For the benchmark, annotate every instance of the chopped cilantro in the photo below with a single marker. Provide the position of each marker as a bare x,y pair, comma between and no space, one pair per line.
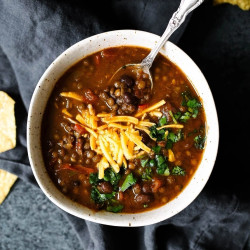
195,113
160,159
144,162
172,138
199,141
163,121
158,134
161,168
178,171
172,116
152,163
114,209
193,106
93,178
156,149
185,117
166,172
112,177
169,144
177,115
98,197
193,103
145,205
147,174
161,164
128,182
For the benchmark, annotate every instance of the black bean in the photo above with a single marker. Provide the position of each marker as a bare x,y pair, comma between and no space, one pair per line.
76,183
90,154
129,81
146,188
129,98
105,187
145,137
119,100
142,198
137,189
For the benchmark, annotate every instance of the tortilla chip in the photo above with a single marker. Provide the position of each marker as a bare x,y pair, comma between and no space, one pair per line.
6,181
243,4
8,123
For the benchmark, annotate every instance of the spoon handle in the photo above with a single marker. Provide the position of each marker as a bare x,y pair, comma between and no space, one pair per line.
186,6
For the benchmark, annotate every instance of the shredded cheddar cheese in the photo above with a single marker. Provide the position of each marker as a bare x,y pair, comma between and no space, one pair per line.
116,138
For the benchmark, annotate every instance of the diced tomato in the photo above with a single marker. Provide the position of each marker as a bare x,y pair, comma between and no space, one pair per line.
97,59
77,168
142,107
79,129
89,96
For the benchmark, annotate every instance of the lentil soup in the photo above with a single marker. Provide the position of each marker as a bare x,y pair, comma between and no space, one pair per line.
122,146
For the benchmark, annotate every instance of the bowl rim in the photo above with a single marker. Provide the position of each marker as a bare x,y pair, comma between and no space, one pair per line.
130,220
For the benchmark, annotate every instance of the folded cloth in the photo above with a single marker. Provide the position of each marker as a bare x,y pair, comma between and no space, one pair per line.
34,33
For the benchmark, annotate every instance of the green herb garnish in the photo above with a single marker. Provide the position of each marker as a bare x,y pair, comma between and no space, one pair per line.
128,182
112,177
177,115
93,178
161,164
144,162
156,149
163,121
192,105
172,116
173,138
147,174
199,141
178,171
158,134
100,198
185,117
152,163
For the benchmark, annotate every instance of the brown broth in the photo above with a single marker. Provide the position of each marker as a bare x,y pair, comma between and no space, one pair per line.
59,142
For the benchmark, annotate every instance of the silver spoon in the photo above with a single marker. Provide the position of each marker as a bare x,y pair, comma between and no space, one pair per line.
186,6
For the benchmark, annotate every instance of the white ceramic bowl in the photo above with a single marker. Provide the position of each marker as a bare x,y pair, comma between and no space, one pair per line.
44,89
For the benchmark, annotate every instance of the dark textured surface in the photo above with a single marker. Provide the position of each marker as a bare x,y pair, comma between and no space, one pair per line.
29,221
33,33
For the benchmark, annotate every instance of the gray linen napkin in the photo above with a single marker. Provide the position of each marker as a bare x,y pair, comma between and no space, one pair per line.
34,33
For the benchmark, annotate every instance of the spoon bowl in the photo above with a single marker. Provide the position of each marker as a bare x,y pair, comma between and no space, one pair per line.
133,67
186,6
